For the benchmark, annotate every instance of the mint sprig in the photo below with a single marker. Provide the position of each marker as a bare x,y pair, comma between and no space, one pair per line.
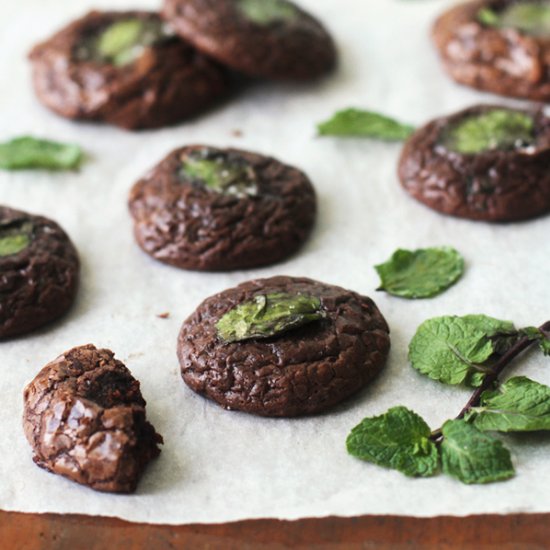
461,447
367,124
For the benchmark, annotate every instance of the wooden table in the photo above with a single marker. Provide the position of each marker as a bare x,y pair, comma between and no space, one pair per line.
40,532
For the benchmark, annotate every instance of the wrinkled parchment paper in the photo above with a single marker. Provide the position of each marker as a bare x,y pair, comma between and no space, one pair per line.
218,466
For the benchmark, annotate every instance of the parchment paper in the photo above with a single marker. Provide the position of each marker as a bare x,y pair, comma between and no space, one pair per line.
216,465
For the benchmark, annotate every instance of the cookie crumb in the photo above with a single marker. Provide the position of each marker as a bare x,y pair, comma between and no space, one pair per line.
237,133
164,315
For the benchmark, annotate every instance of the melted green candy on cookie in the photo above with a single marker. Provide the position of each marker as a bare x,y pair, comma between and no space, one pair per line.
265,12
497,129
219,173
532,18
14,238
123,42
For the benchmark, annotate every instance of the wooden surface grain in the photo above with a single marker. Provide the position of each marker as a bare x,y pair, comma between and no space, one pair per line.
49,531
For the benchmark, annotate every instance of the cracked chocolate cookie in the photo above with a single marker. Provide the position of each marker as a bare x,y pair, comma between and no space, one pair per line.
263,38
84,417
124,68
500,46
282,346
212,209
39,270
485,163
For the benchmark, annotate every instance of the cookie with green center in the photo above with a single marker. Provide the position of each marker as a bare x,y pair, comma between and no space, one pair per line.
501,46
261,38
212,209
283,346
39,270
485,163
124,68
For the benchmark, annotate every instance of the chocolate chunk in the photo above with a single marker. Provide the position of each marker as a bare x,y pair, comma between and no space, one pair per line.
84,417
39,270
124,68
507,181
299,371
481,50
215,209
263,38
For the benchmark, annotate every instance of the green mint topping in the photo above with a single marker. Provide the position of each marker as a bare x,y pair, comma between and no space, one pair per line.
539,336
358,123
219,173
473,456
265,12
399,439
497,129
422,273
123,42
459,350
14,237
532,18
29,152
519,405
268,315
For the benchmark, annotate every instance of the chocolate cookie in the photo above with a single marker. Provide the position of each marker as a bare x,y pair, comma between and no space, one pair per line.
125,68
84,417
263,38
484,163
282,346
501,46
221,209
39,271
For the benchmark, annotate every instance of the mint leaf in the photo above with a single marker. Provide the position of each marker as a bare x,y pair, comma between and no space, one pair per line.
519,405
265,12
544,346
473,456
529,17
358,123
29,152
422,273
458,350
398,439
267,315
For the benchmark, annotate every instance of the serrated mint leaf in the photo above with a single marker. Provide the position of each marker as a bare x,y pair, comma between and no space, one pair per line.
496,129
398,439
457,350
268,315
422,273
29,152
519,405
358,123
473,456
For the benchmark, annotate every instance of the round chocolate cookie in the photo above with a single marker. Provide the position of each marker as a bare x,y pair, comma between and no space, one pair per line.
39,271
262,38
84,417
485,163
282,346
221,209
125,68
500,46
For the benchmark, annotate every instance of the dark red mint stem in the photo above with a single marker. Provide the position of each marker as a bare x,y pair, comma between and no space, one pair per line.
520,346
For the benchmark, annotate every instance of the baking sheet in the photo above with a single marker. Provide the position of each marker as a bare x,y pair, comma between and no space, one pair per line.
219,466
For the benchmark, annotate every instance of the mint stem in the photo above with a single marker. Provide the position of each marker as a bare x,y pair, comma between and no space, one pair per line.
520,346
